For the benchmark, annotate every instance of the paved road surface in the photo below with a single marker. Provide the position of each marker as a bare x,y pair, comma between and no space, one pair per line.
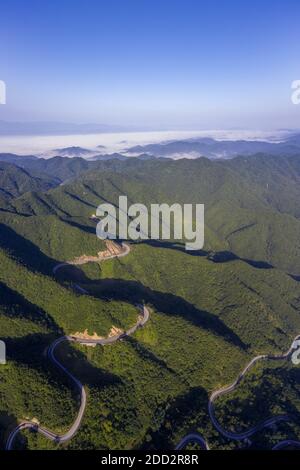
143,318
230,388
286,443
189,438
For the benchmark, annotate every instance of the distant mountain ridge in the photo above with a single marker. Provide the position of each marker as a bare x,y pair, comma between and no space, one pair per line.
72,152
15,181
211,148
236,298
261,190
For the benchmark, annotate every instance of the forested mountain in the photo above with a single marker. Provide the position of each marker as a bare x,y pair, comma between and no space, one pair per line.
15,181
212,148
211,311
246,199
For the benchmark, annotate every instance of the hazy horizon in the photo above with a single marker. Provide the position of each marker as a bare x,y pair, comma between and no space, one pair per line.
120,141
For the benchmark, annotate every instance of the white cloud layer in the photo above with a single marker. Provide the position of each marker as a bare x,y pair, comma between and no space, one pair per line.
119,142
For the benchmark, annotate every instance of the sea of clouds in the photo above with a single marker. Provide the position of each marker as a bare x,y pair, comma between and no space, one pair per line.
118,142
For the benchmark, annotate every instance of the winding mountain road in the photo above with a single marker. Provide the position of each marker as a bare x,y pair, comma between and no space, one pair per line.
195,437
286,443
143,318
191,439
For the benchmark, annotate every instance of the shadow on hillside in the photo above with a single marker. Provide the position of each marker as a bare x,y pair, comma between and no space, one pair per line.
13,211
148,355
133,291
84,228
28,254
8,422
170,246
224,256
227,256
263,399
31,350
25,252
71,273
88,374
184,409
136,292
79,199
14,305
170,304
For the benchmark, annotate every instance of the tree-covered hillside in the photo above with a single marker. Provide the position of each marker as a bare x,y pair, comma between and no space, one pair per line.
211,311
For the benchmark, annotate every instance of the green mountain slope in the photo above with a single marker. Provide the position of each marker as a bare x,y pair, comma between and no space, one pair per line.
211,311
240,207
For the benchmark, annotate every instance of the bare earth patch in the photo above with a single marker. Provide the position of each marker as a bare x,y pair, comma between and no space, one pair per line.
113,249
114,331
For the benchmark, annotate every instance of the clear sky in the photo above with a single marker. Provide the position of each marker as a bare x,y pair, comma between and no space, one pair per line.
156,63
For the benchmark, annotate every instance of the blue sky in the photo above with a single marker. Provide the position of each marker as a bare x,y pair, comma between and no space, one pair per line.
154,63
